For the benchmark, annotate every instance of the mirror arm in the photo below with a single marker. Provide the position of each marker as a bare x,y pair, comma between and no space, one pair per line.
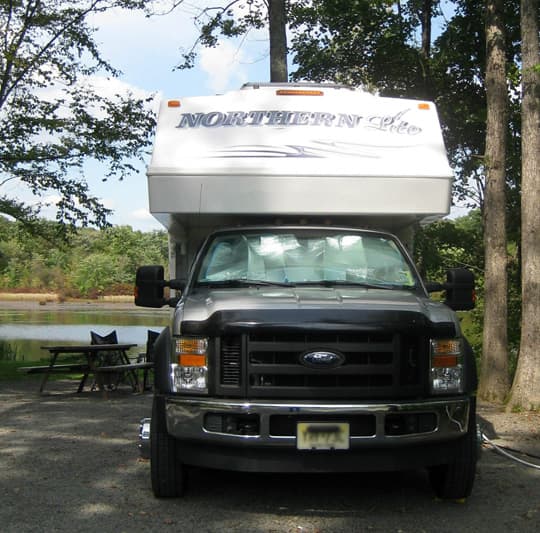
176,284
433,286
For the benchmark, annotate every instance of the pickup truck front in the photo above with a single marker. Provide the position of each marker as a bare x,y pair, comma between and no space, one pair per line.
312,349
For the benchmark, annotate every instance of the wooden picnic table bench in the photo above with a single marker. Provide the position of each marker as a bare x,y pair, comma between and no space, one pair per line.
89,352
130,367
44,369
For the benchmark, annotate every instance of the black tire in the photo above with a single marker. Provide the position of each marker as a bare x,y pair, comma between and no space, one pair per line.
455,480
167,471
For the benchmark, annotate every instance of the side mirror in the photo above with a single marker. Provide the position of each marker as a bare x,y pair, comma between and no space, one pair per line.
459,286
149,284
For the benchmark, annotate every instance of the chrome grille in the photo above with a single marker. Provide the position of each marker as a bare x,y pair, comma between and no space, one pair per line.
268,365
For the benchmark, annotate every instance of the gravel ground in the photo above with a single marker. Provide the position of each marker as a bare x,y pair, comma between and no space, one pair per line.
69,462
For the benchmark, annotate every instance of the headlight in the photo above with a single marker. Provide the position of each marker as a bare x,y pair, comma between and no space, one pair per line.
446,366
190,371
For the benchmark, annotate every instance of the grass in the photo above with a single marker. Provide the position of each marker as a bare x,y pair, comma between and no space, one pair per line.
50,297
9,372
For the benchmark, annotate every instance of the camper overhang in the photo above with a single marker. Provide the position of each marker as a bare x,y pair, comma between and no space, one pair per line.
258,152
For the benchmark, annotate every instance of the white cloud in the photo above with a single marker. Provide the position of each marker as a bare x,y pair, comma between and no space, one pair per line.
128,38
106,87
148,49
49,201
142,214
142,220
224,65
109,87
109,203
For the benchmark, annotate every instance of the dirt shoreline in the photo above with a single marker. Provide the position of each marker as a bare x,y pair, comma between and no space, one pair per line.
75,305
48,304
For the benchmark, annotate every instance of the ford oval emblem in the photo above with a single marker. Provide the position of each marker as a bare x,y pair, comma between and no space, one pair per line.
322,359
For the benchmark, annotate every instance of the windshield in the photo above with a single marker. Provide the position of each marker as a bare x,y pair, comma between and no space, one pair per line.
312,256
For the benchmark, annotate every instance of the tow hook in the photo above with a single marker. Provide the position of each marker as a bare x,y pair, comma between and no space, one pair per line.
144,438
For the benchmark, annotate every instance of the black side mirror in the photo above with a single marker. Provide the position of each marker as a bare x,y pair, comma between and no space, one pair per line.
149,284
460,294
459,287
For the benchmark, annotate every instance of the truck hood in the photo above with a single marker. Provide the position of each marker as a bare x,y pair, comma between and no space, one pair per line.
214,311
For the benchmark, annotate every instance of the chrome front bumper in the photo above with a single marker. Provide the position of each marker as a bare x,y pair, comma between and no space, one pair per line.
186,420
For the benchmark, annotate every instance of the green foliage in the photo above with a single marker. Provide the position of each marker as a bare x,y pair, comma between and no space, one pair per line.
451,243
53,118
455,243
88,262
8,370
358,43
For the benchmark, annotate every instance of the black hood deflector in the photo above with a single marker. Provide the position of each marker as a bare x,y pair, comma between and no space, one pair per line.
231,322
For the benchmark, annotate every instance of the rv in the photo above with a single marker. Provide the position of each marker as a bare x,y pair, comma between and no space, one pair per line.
303,338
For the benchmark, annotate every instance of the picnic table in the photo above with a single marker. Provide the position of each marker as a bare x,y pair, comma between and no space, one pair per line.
91,354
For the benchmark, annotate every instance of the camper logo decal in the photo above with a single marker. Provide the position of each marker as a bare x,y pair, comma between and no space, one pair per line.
393,124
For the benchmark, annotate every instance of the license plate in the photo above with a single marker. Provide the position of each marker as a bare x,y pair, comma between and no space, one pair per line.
322,436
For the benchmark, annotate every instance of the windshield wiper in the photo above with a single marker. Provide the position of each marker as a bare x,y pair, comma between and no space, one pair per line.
243,282
360,284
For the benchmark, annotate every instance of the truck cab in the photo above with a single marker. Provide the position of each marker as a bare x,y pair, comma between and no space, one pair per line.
302,338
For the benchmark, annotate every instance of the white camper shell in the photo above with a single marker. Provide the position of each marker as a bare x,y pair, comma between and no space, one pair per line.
295,153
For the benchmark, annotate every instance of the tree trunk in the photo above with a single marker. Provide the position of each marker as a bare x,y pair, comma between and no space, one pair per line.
278,41
427,8
425,53
494,378
525,392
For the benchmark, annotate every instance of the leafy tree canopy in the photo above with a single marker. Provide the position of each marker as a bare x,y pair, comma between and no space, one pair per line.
359,43
89,262
53,118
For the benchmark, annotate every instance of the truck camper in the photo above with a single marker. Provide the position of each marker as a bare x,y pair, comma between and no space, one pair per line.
303,338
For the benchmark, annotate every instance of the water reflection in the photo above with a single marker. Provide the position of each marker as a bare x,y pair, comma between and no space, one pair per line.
23,332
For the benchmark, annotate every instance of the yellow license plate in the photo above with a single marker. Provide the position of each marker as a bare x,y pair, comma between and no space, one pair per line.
322,436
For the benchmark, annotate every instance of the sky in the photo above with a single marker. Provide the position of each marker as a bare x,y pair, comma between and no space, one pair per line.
146,50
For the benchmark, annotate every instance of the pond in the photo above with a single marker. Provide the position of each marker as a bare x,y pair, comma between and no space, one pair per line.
24,331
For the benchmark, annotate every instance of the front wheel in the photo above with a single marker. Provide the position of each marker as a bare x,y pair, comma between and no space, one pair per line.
455,480
167,471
